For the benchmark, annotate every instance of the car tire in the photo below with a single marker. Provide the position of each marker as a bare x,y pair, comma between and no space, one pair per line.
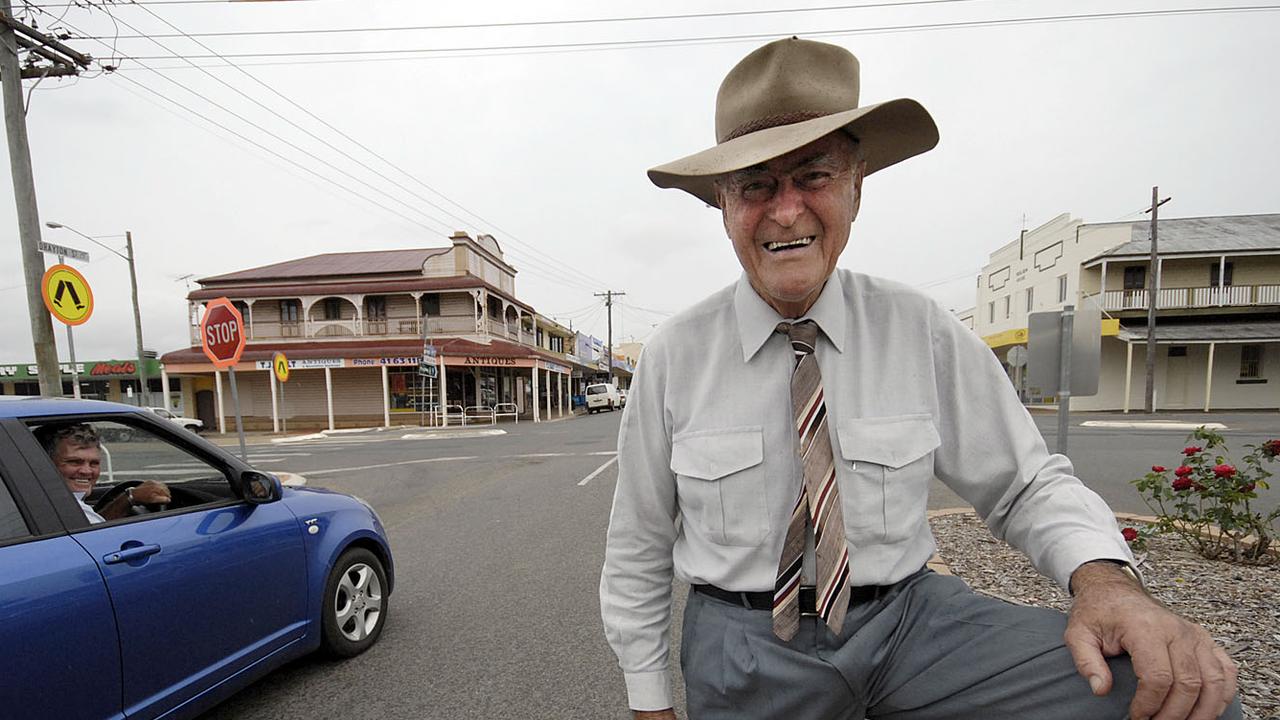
353,610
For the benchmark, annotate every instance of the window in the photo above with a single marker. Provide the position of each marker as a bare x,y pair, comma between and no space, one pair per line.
11,523
1250,362
333,308
1031,298
26,388
430,304
1177,351
1062,288
135,454
1214,269
1135,277
243,307
991,311
1008,302
375,307
290,311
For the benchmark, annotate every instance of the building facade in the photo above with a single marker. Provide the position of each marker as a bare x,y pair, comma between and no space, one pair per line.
1217,325
355,328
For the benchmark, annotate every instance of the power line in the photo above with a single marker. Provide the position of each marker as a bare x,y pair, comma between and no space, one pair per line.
697,40
550,23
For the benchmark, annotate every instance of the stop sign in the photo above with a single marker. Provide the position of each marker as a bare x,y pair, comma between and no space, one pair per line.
222,333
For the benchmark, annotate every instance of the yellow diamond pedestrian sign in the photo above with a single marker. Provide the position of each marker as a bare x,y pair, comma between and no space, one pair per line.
280,364
67,294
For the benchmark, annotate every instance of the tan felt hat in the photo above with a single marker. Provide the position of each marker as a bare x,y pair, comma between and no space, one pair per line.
786,95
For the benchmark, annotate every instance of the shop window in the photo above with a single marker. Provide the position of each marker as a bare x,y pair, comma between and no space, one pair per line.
1135,277
26,388
1250,362
430,304
1216,268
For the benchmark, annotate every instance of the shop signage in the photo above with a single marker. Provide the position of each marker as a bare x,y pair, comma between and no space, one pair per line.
122,368
404,361
307,364
553,367
490,361
97,368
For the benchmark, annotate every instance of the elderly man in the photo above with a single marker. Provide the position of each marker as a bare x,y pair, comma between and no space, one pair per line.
76,453
778,450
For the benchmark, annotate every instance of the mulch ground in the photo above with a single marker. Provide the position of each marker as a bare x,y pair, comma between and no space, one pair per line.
1238,604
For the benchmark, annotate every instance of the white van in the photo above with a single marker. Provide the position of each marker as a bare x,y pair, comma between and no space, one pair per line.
602,396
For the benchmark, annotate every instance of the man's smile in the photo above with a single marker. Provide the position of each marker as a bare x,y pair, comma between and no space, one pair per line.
783,246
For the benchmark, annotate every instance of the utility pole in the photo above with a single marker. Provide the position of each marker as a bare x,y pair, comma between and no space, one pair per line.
144,396
608,296
1153,294
63,61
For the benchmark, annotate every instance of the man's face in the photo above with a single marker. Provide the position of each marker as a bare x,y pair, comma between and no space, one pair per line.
789,219
79,465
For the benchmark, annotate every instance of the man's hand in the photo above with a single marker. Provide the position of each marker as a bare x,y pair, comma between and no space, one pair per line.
1181,672
667,714
151,493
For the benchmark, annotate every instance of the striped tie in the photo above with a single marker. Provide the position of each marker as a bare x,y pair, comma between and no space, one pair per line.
818,502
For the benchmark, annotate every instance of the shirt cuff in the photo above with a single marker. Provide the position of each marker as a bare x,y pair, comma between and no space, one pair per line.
649,690
1087,551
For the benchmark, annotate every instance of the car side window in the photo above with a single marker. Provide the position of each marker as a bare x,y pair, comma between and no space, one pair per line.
12,525
117,471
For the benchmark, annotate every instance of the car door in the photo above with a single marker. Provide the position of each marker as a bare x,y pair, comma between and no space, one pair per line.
201,592
61,656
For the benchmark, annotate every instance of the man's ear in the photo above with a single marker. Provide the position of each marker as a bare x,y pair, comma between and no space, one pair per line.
724,215
859,172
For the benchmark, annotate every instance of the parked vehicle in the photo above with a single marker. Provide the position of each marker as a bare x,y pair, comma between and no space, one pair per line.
167,611
602,396
622,397
195,425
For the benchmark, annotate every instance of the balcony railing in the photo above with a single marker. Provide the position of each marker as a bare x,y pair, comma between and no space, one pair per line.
1194,297
391,327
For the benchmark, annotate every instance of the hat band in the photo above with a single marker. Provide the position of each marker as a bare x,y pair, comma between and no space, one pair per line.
771,121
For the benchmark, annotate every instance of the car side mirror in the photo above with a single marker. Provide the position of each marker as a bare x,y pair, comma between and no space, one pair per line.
260,488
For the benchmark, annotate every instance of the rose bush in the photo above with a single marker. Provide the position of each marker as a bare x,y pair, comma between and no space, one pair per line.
1207,502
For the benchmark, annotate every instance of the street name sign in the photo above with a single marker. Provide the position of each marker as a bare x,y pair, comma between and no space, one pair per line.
64,251
222,333
67,294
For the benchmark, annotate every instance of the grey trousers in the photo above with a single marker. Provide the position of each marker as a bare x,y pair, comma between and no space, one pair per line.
927,648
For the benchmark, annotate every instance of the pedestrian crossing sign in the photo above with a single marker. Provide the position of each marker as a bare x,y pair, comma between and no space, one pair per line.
67,295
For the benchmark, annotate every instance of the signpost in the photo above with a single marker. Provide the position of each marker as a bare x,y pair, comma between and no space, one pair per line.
69,298
222,339
1064,352
427,368
280,366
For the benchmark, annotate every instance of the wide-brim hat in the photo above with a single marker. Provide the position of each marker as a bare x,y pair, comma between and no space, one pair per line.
786,95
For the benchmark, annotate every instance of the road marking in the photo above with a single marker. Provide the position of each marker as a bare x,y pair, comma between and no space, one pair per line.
540,455
394,464
1151,425
606,452
599,470
445,434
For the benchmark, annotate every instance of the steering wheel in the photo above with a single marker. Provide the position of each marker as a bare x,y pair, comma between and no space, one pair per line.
120,489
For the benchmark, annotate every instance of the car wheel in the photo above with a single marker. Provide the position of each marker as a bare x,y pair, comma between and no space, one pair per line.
354,606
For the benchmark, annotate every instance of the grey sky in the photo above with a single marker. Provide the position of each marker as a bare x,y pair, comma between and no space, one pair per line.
1036,120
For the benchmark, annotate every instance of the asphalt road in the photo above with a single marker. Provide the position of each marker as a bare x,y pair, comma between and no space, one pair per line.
498,542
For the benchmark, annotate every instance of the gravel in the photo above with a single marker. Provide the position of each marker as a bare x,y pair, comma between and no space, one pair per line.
1239,605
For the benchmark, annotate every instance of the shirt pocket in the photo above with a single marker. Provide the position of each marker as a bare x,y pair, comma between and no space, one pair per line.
886,466
720,481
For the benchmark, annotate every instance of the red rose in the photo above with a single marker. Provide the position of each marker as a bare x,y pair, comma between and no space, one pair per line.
1247,488
1271,448
1182,471
1129,534
1157,468
1190,450
1183,483
1224,471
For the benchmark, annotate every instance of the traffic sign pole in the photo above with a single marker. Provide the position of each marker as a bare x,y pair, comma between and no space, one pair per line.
71,349
235,400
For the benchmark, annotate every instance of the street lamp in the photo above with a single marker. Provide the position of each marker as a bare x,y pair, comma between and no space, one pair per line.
137,314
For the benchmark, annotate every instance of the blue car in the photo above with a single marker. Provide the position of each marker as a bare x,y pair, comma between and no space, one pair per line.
146,573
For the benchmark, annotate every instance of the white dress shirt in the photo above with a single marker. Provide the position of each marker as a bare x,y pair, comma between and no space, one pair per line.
708,472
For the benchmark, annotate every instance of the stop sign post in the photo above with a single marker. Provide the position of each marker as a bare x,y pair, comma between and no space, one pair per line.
222,338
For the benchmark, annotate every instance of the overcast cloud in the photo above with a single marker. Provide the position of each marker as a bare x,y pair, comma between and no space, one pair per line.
550,149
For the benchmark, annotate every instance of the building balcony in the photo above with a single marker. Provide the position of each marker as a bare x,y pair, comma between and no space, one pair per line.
391,328
1194,297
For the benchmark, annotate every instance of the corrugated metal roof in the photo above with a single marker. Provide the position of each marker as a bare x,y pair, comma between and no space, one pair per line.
1206,332
1226,233
373,262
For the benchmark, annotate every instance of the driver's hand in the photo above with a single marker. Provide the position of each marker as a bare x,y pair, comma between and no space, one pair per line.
151,493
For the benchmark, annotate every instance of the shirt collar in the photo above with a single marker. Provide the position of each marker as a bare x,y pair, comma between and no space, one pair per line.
757,320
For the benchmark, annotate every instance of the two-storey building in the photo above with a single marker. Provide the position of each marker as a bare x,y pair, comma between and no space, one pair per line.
354,327
1217,325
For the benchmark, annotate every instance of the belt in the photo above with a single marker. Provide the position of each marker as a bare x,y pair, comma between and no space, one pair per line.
808,596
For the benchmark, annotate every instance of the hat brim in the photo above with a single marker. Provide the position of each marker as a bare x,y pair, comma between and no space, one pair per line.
888,132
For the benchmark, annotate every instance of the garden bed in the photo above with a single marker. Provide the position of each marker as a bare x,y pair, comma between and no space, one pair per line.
1238,604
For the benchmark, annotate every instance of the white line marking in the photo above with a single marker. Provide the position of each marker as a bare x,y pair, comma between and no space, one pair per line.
540,455
606,452
599,470
394,464
1151,425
